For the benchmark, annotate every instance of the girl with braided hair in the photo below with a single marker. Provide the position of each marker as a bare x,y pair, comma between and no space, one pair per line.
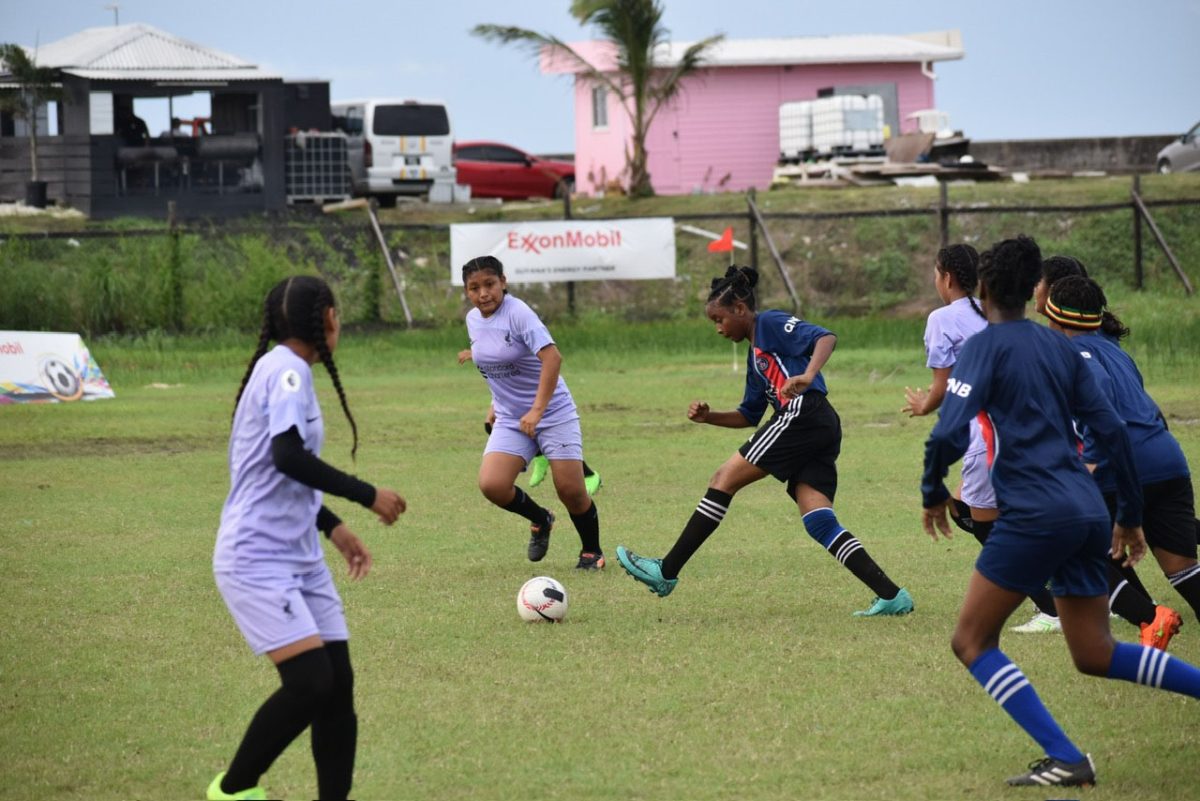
1076,306
973,509
532,412
1053,524
269,564
799,446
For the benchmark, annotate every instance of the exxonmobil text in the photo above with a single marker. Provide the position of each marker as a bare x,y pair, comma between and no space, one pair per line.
538,243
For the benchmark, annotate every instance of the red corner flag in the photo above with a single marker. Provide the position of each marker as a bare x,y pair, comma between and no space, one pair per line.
724,244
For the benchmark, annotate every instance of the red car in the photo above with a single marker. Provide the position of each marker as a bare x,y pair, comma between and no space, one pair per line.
495,170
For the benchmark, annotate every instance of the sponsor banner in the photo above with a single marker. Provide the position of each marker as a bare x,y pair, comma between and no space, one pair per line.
569,250
37,367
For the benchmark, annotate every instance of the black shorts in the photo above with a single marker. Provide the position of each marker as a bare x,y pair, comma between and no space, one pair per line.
800,445
1168,516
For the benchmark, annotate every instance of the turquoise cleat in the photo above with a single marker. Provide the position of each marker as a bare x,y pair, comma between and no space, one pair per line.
902,604
647,571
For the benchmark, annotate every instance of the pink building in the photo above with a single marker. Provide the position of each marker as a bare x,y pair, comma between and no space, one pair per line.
722,132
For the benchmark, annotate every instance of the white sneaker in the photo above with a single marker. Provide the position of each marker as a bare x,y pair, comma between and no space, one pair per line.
1039,624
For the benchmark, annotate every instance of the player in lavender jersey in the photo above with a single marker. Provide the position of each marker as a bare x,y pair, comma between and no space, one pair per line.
531,410
268,562
955,276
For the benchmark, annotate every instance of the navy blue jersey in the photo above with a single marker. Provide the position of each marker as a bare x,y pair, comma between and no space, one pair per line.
1156,453
781,349
1031,383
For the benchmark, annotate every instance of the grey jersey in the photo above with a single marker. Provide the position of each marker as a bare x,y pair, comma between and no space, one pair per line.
269,520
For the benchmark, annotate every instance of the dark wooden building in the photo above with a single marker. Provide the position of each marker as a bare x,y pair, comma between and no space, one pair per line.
105,162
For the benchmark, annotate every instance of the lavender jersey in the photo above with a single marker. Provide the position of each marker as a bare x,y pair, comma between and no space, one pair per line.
946,331
504,348
269,521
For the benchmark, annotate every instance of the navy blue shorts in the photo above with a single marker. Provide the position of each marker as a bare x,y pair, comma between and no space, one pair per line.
1073,557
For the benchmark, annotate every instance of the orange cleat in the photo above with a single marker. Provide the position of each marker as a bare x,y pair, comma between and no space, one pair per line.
1158,632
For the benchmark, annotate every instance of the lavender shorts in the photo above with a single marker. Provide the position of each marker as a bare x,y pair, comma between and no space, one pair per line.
977,489
561,442
276,609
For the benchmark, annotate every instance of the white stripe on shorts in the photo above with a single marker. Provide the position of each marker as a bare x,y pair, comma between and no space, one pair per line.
772,432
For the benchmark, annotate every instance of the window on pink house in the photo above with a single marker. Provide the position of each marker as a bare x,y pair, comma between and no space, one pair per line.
599,107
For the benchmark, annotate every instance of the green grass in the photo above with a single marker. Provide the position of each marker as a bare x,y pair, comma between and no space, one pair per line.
122,676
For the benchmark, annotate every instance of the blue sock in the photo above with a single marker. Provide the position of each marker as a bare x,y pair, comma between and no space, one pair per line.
823,526
1141,664
1008,687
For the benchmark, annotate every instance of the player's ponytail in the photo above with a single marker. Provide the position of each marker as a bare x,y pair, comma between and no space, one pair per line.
962,261
1079,303
737,284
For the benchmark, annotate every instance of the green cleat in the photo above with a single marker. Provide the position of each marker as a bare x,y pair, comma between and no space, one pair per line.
215,793
902,604
538,466
593,483
647,571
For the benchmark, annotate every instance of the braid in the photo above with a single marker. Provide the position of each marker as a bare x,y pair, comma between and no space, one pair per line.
325,301
264,340
737,284
1056,268
1010,270
963,262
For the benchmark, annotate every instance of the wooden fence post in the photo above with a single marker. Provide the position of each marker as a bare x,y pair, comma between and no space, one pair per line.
944,212
1138,274
750,222
570,284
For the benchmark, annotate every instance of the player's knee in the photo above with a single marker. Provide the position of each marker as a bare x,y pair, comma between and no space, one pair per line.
498,492
822,525
1095,658
309,677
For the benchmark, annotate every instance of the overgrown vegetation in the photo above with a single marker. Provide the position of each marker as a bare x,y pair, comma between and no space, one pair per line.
214,278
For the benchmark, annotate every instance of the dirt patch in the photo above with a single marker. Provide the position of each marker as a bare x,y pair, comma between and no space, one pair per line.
108,447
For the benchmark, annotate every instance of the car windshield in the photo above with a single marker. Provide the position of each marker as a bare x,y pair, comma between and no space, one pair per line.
411,119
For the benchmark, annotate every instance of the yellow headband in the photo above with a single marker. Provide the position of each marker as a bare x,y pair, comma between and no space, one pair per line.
1073,318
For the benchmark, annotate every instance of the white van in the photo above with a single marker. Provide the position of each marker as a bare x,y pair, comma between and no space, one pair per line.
396,147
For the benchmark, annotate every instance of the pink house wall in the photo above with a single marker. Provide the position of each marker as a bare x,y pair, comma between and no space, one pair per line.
725,124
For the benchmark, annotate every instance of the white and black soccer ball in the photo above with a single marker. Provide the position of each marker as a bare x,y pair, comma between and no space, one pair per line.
542,600
60,379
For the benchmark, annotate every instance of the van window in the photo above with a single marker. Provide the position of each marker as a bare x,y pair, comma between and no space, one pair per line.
350,122
411,120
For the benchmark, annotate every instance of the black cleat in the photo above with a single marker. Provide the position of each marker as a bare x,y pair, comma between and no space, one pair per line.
590,561
1050,771
539,539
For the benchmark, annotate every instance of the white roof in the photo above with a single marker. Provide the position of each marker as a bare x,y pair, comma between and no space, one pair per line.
913,47
938,46
143,52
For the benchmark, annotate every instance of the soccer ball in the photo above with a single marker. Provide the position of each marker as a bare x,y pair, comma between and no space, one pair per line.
542,599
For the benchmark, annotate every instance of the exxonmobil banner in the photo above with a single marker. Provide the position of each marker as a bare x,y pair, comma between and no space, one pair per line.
569,250
38,367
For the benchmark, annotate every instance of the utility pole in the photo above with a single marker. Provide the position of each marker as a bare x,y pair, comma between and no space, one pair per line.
116,10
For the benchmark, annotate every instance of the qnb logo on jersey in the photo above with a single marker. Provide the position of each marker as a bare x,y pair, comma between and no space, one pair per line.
290,381
537,243
791,324
956,387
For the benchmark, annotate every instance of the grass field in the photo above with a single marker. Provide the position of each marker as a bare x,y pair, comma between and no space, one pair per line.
122,675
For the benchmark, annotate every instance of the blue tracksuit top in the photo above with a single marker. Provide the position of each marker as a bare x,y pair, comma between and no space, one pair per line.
1156,453
1033,385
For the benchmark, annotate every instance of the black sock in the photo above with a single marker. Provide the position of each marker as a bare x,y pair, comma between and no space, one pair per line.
1124,598
960,513
307,684
981,529
526,507
1044,601
588,526
335,729
704,521
587,471
854,557
1187,583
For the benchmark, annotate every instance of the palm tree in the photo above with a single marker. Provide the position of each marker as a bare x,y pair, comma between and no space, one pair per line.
35,87
635,29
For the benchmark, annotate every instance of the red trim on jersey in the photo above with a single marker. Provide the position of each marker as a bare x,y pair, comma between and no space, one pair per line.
774,373
989,436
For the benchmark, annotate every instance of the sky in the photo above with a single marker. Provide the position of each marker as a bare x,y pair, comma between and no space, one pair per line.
1044,68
